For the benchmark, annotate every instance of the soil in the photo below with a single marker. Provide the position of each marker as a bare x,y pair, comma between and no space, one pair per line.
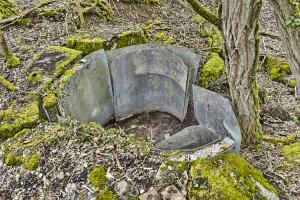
70,163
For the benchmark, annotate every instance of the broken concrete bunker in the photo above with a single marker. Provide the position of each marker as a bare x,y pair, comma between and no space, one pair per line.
122,82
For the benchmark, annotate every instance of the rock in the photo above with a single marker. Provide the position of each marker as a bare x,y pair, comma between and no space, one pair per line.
150,195
121,187
172,193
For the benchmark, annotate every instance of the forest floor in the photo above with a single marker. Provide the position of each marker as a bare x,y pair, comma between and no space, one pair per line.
280,112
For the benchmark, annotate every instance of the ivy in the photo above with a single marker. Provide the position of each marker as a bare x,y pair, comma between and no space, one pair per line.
294,20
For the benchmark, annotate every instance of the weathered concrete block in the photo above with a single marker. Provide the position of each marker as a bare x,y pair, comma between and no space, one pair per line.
146,78
215,112
88,96
190,139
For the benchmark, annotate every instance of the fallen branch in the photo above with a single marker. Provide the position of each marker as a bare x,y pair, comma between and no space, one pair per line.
205,13
270,35
14,19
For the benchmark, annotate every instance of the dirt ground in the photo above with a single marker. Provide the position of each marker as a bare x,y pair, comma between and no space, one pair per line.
278,110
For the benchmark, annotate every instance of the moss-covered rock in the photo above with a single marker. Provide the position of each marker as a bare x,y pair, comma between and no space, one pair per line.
85,44
212,70
27,117
139,35
278,68
7,9
228,177
292,152
7,84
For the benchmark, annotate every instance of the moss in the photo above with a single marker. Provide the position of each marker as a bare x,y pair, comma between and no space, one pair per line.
292,152
71,55
6,114
205,13
27,117
7,9
212,70
212,33
31,162
160,36
27,22
151,1
287,140
97,177
50,12
106,194
277,68
292,83
12,61
133,37
198,19
7,84
35,76
49,101
43,3
101,8
85,44
226,177
177,166
12,160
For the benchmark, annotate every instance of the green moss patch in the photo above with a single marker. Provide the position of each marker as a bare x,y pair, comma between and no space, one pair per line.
12,61
212,33
212,70
49,101
97,177
31,162
35,76
163,37
226,177
7,9
71,55
27,117
279,68
292,152
139,35
286,140
7,84
85,44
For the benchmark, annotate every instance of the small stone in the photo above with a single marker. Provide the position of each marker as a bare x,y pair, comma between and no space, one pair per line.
170,168
150,195
70,188
172,193
121,187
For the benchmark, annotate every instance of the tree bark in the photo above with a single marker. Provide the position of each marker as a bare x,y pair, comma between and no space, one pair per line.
290,36
240,27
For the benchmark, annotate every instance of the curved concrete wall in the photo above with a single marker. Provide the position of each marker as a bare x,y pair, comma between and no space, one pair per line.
88,96
122,82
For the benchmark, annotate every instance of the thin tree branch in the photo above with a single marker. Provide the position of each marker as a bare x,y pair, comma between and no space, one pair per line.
205,13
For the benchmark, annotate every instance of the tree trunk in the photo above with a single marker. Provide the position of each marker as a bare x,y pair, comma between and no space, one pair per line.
240,28
290,36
